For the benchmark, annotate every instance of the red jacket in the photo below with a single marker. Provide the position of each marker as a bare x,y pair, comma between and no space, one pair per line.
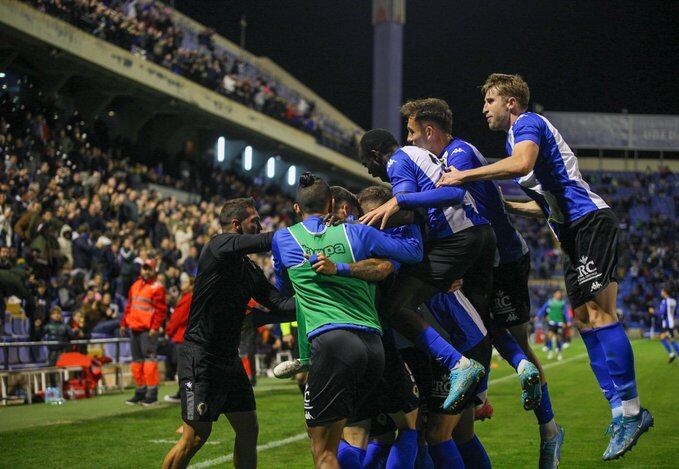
176,326
146,306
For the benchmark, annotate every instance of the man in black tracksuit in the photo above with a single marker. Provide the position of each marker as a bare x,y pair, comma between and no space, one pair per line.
212,380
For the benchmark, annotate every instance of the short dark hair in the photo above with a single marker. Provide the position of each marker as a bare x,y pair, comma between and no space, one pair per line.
375,194
432,110
341,196
313,194
377,139
235,208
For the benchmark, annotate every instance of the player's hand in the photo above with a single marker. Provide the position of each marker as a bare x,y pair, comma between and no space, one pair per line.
451,177
383,212
323,265
288,340
456,285
153,333
123,332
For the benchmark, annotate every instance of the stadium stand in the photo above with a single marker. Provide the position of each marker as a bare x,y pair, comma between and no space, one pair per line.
149,29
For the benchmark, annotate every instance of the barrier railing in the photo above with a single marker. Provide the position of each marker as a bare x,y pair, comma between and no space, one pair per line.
7,345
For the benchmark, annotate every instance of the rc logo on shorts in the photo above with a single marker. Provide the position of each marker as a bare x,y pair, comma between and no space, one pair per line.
201,408
586,270
307,405
502,304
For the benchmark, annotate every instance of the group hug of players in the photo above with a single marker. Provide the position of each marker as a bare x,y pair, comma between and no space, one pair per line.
397,312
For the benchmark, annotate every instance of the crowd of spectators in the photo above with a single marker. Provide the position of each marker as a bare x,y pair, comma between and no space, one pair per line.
147,29
77,221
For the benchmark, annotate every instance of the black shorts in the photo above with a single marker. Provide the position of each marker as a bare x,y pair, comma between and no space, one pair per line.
210,385
467,255
482,353
343,370
669,331
590,245
396,390
556,327
510,305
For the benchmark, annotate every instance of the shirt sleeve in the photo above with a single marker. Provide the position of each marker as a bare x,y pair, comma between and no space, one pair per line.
463,160
527,129
445,196
663,309
542,311
240,244
401,174
159,308
283,283
367,242
267,295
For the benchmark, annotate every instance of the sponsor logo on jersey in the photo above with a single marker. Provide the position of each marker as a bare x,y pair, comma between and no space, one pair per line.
586,271
457,150
390,163
595,286
326,250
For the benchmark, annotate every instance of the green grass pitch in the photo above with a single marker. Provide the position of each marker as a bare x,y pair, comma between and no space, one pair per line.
105,433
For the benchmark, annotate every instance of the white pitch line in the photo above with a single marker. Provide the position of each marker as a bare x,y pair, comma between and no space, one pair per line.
301,436
229,457
167,441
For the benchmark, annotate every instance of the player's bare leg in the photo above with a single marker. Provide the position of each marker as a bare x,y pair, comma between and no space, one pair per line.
194,436
324,443
245,447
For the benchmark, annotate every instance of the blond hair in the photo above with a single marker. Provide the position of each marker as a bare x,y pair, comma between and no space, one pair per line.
508,86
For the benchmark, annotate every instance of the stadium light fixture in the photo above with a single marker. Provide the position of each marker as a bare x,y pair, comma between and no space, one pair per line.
271,167
247,158
221,144
292,175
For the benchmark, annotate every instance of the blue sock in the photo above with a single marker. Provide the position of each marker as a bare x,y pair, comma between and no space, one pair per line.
424,460
619,359
544,411
350,457
666,344
404,450
509,348
431,342
376,455
597,360
675,346
474,454
446,455
559,343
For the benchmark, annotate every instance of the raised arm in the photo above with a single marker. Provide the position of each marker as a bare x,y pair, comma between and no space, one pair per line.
519,163
369,242
240,244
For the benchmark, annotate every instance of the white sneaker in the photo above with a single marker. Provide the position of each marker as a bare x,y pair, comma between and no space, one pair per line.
566,345
559,357
288,369
550,355
545,349
172,399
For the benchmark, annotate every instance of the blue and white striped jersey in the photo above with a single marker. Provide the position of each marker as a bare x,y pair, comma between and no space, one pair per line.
556,169
413,169
462,156
668,308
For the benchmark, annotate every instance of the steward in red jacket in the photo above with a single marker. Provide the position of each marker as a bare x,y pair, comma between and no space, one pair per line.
144,315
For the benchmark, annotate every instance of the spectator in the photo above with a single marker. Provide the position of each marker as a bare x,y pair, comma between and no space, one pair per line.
56,330
176,326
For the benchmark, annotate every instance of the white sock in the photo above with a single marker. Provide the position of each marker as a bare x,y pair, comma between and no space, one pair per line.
522,365
463,363
631,408
616,412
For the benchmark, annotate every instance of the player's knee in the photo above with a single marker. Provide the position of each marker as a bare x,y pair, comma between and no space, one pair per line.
438,431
